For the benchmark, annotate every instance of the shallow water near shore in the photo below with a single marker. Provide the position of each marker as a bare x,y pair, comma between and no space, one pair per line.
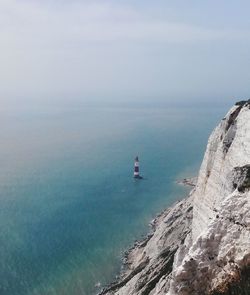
69,206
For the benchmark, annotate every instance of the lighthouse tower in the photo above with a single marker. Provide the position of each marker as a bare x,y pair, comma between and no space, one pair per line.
136,169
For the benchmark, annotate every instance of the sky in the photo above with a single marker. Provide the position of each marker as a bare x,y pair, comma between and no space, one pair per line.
124,51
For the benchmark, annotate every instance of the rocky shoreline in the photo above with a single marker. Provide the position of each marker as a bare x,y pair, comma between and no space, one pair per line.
128,255
188,181
133,262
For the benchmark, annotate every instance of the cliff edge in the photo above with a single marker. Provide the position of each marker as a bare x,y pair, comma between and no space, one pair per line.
202,244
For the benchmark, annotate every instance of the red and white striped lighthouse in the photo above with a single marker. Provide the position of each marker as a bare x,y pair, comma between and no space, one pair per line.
136,168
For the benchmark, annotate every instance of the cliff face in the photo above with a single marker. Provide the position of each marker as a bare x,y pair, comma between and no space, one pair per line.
218,247
228,148
202,244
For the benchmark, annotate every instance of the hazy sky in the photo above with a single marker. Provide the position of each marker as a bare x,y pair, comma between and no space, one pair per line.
54,51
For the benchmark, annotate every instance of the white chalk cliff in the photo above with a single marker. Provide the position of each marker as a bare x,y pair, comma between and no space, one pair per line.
202,244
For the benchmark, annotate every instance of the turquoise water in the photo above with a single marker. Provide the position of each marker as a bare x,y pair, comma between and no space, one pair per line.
69,206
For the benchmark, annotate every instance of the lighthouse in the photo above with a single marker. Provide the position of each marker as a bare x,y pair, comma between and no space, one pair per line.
136,169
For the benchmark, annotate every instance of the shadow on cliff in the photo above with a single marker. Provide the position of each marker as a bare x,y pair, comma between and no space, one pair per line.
239,285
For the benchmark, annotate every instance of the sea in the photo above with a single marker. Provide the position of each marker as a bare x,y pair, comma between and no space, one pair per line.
69,206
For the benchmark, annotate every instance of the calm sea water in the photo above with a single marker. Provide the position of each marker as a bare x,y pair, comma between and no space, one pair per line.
69,206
